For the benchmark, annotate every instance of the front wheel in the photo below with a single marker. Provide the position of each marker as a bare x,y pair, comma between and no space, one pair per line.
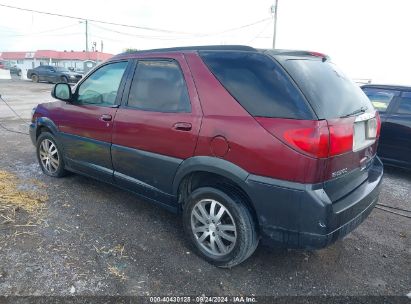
64,79
49,155
220,226
35,78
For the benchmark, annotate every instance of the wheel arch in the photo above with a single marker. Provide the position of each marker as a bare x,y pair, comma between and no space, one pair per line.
202,171
45,124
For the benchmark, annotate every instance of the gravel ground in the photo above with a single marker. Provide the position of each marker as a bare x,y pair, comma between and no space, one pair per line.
90,238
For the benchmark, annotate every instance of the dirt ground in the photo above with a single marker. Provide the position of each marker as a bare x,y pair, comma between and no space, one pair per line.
77,236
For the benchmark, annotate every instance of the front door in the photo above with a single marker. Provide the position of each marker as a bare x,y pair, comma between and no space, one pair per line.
156,127
383,102
86,123
398,131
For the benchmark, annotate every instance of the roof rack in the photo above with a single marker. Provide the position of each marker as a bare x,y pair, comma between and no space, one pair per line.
197,48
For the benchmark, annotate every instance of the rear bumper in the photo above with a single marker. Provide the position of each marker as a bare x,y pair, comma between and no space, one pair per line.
303,216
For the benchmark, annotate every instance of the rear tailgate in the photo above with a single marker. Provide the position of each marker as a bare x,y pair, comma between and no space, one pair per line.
352,121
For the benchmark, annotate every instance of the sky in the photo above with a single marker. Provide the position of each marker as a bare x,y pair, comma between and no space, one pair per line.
368,39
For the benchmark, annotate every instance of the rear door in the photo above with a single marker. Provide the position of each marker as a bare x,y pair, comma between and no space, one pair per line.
86,123
397,132
41,71
156,127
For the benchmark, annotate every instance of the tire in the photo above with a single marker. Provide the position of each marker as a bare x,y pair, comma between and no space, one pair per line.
35,78
52,163
64,79
239,236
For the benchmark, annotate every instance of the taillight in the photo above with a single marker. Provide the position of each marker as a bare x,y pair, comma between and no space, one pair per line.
377,116
320,139
313,141
341,138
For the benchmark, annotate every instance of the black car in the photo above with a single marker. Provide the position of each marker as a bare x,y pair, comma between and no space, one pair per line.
394,105
13,69
52,74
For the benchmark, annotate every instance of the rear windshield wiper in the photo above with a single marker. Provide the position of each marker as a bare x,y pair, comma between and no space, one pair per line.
358,111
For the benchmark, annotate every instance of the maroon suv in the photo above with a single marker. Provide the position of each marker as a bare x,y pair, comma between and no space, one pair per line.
247,144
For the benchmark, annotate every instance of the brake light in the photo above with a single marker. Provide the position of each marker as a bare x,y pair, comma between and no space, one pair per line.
313,141
316,138
341,138
377,116
317,54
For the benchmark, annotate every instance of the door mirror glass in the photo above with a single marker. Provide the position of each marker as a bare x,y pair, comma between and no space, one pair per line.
62,91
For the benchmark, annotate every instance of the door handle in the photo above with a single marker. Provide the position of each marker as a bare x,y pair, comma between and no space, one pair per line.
182,126
106,117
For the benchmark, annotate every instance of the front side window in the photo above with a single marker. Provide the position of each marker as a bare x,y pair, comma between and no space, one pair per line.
159,86
379,98
101,87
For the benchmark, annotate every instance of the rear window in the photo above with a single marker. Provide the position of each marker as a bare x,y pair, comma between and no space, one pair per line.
260,85
330,92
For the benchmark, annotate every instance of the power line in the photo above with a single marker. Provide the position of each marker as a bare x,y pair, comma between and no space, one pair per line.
260,32
42,32
182,38
193,35
92,20
12,131
392,207
393,212
15,113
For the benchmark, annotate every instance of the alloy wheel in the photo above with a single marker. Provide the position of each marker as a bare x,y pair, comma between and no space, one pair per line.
49,156
213,227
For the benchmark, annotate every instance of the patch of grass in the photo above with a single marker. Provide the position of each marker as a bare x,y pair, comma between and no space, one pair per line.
14,200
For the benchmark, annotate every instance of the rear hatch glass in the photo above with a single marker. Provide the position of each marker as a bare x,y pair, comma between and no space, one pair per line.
330,92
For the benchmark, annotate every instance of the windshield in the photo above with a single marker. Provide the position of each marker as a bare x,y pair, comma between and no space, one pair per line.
330,92
61,69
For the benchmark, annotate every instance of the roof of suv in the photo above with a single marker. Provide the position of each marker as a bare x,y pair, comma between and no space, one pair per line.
387,87
242,48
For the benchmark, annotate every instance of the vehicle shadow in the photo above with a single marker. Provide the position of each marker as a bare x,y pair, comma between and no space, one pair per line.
397,172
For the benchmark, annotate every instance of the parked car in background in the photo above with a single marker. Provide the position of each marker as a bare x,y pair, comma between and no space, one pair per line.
14,70
53,74
394,106
2,64
245,143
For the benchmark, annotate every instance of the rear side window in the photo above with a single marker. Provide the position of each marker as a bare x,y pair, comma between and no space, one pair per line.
258,84
159,86
379,98
329,91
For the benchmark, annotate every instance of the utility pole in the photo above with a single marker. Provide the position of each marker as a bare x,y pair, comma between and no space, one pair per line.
274,12
86,35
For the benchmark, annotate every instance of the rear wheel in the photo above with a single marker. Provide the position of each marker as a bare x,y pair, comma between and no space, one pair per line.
35,78
219,226
64,79
49,155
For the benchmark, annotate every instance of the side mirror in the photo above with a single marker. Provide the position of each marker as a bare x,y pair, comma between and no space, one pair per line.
62,91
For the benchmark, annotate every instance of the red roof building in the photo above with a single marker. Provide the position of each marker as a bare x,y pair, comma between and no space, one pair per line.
56,55
69,59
